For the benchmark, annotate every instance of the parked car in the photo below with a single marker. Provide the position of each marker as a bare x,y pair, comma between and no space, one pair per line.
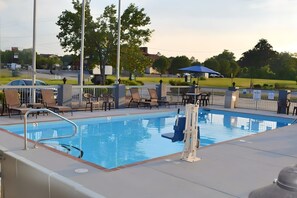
26,92
216,76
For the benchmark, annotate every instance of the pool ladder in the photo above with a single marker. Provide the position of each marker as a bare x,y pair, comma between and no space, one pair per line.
43,139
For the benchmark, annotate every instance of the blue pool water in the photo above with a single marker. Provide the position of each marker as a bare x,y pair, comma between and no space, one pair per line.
111,142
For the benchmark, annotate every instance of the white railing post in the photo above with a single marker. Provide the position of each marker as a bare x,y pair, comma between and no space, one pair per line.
49,111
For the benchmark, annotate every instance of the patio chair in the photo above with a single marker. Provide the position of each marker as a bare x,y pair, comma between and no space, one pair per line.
49,102
12,102
154,97
204,99
186,99
162,101
135,98
92,101
108,100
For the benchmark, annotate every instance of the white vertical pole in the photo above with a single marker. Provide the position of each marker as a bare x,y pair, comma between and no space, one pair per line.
190,132
119,44
34,53
82,50
0,47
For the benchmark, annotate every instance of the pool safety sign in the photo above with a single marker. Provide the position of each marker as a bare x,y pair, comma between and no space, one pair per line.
257,95
270,95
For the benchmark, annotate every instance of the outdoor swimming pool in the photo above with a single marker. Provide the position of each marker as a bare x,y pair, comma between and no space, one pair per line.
111,142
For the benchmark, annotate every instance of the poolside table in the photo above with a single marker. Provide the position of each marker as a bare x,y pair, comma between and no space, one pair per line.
195,96
36,106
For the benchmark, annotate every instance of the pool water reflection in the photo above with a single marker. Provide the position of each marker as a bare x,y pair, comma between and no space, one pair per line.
111,142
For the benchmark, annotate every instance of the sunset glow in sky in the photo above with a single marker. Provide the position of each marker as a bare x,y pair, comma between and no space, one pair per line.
196,28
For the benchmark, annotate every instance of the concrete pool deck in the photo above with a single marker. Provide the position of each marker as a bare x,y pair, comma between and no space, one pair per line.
229,169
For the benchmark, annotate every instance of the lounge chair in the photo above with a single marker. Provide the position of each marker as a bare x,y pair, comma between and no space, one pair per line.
154,97
135,98
12,102
50,102
162,101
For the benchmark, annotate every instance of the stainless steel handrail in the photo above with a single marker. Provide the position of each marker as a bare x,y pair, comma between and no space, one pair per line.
42,139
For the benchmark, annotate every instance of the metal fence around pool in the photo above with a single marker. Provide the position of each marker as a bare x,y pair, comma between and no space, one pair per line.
25,93
173,94
217,97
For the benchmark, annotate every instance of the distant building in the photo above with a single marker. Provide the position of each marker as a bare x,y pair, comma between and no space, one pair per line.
149,69
49,55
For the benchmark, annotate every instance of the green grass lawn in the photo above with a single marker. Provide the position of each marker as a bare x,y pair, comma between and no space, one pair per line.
6,76
226,82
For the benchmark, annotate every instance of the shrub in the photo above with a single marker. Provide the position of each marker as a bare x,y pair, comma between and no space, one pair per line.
109,81
178,83
277,85
257,86
267,86
132,82
280,86
140,82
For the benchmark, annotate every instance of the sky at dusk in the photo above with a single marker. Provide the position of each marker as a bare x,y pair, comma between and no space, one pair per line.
197,28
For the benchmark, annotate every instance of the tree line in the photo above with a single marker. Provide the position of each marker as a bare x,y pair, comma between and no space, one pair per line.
260,62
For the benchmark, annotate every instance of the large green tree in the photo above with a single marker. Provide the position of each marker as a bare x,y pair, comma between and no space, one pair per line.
194,61
162,64
224,63
7,56
24,57
212,63
259,56
101,34
178,63
70,28
132,59
48,62
284,66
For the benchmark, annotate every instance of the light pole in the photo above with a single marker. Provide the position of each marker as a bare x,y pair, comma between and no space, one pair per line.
34,53
82,50
119,44
1,51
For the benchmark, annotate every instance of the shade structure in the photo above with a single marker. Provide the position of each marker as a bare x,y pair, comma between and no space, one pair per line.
199,69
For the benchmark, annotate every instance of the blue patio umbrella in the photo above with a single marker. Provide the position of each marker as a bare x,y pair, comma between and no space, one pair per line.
199,69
